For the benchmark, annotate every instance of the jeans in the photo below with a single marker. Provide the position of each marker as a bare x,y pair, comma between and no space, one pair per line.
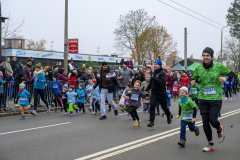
109,96
191,127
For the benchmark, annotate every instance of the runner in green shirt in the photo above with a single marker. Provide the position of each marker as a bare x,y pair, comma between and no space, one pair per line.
210,98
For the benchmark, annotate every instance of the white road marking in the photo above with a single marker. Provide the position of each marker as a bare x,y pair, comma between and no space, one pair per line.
137,144
34,128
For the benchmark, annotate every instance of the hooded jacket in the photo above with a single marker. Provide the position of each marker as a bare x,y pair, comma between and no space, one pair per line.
40,84
28,79
112,81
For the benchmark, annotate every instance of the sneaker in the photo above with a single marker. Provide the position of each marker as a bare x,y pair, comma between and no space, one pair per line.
122,109
66,113
209,148
109,110
139,123
61,109
77,110
48,110
151,124
169,120
116,112
135,123
221,135
56,109
71,113
230,99
128,113
34,113
181,143
197,132
22,118
102,118
163,114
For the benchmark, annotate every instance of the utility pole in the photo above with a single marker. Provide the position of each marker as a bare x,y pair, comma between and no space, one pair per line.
185,48
66,38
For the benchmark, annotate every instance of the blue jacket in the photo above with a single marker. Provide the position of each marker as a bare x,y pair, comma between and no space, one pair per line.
228,83
23,96
90,89
20,70
96,94
56,86
169,98
40,84
71,97
81,96
2,85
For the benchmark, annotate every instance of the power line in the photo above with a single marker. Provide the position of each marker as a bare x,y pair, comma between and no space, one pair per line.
189,14
196,13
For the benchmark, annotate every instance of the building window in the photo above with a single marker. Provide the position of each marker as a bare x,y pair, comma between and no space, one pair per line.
20,44
9,45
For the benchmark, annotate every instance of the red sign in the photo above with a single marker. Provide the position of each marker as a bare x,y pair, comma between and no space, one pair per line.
73,45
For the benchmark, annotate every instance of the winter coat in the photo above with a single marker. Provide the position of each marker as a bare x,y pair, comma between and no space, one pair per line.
8,68
112,81
81,96
28,79
126,76
23,95
40,84
144,87
20,69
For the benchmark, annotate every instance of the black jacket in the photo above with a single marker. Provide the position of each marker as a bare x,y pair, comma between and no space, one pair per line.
158,82
112,81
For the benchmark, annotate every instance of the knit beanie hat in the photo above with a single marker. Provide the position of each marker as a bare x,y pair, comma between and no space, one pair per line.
209,51
22,85
184,89
158,62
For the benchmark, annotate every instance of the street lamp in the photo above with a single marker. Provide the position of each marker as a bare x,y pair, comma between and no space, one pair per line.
221,42
2,19
51,44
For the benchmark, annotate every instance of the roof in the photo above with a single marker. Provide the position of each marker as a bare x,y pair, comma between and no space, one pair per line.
178,67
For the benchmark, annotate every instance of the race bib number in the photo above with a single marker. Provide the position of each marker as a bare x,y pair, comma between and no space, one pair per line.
209,90
94,95
175,88
194,91
187,114
55,85
22,98
69,99
134,97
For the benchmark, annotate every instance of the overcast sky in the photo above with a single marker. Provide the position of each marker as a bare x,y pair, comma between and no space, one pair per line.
93,22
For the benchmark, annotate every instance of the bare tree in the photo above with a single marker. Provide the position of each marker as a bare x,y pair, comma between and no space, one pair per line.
130,27
8,29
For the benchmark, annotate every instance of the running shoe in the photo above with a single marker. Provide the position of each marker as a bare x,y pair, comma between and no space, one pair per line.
34,113
121,109
22,118
221,135
181,143
197,132
56,109
209,148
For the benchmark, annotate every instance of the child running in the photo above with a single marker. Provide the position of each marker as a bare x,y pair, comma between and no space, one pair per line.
168,104
95,100
88,90
187,112
175,90
56,85
81,98
24,95
71,96
135,94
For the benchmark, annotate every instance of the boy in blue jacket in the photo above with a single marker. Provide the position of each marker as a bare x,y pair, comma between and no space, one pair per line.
55,85
81,98
24,95
71,98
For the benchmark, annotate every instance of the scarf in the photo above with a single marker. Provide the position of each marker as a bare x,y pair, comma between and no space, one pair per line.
21,90
184,100
209,66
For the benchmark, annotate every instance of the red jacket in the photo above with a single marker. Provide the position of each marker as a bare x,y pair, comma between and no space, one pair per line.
175,89
185,81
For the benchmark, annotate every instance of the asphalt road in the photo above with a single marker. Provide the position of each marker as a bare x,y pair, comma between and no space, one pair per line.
56,136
